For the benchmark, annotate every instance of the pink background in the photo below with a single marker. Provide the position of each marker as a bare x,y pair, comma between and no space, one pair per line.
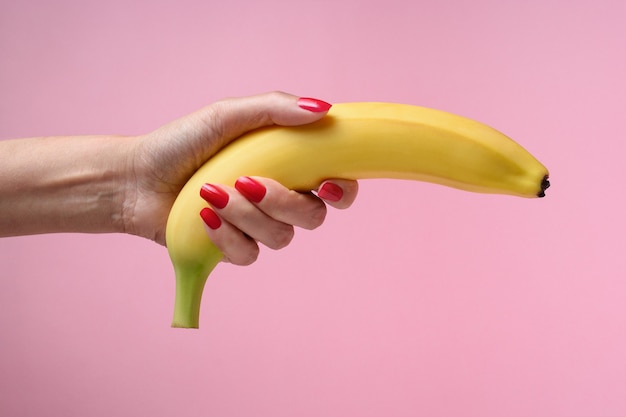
419,300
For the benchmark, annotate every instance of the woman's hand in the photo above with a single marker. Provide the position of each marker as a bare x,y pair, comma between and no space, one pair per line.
256,209
109,184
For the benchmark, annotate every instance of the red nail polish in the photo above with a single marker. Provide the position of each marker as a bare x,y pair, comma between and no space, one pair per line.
214,195
251,189
210,218
330,192
313,104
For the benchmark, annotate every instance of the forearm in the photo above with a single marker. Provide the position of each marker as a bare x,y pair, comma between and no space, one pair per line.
63,184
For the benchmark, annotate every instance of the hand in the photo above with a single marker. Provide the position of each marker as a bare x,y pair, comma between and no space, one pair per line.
162,162
262,210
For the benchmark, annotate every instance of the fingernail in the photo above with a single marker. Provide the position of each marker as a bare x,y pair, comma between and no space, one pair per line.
313,104
210,218
214,195
251,189
330,192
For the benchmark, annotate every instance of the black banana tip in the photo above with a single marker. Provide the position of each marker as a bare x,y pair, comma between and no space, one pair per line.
545,184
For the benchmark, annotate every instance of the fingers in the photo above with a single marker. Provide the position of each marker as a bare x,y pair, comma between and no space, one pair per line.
243,211
237,247
260,210
193,139
230,118
287,206
337,193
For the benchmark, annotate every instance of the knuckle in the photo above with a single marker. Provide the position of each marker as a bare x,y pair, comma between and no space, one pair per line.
316,216
281,237
212,118
240,250
276,95
245,257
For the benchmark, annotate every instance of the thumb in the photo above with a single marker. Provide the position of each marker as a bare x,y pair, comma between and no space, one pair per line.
231,118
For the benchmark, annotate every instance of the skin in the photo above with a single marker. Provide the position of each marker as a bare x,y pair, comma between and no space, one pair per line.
127,184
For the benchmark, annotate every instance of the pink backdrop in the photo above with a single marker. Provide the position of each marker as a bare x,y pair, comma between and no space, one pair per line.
419,300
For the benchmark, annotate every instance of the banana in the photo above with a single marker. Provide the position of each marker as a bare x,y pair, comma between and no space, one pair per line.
353,141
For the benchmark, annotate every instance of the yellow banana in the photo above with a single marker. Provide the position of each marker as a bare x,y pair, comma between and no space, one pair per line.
354,141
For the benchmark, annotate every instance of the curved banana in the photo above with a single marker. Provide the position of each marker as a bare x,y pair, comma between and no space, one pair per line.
354,141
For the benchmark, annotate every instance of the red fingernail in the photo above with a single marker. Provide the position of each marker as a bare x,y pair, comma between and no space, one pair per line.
210,218
214,195
330,192
251,189
313,104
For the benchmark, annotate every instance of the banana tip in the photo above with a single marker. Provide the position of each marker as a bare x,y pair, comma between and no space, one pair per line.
545,184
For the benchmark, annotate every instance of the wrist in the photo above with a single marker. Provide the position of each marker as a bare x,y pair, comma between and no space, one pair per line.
119,184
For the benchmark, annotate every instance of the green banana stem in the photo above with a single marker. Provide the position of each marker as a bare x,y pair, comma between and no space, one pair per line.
190,281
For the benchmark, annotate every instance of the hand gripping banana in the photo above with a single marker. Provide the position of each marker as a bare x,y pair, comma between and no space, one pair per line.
354,141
